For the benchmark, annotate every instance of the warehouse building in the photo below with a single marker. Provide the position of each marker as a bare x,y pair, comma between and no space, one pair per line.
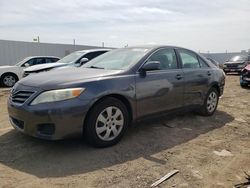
12,52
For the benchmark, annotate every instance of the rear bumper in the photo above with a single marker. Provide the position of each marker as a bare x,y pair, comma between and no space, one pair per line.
51,121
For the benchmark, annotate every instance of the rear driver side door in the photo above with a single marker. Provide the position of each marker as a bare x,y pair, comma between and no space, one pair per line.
197,76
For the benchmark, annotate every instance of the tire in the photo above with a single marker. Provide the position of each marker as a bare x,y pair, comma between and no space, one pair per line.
8,80
210,103
106,123
243,85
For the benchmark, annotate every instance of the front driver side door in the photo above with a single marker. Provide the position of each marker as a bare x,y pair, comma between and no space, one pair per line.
160,90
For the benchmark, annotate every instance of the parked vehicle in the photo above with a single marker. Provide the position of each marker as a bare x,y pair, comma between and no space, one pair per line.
75,59
10,74
245,76
216,63
100,99
236,63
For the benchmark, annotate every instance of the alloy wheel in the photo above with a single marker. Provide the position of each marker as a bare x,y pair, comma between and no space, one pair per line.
109,123
212,101
9,80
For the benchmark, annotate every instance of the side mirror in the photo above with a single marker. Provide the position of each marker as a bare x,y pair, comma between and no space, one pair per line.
151,65
26,65
84,60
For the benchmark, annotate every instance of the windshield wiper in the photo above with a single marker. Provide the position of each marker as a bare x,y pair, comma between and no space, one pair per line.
94,67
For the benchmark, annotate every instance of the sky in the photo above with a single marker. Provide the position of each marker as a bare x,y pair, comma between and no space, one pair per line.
201,25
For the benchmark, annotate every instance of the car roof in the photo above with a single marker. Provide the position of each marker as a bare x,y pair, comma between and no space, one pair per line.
94,50
45,56
152,47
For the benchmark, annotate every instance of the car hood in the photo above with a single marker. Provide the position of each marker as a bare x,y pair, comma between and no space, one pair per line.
7,66
61,78
44,66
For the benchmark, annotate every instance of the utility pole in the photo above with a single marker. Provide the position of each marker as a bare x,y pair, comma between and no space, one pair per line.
37,39
74,42
103,44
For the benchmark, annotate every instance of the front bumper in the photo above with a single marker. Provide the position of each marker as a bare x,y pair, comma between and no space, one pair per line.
51,121
245,80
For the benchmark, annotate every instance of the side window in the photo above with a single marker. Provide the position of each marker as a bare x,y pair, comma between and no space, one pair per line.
92,55
203,64
51,60
166,57
189,59
39,61
31,62
55,59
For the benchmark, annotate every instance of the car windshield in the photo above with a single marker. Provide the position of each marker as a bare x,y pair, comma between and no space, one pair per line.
119,59
71,57
238,58
23,61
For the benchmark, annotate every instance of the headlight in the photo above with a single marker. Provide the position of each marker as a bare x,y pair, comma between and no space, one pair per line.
224,65
57,95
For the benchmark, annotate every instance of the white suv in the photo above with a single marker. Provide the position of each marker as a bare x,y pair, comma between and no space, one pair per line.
10,74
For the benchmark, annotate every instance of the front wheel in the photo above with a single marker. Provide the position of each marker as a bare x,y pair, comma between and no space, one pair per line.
243,85
106,123
8,80
210,103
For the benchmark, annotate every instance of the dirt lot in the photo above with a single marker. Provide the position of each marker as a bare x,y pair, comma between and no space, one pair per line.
148,151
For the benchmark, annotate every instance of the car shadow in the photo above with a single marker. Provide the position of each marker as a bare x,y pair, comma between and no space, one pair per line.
71,157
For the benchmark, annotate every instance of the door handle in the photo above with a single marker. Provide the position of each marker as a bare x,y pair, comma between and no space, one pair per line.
178,77
208,73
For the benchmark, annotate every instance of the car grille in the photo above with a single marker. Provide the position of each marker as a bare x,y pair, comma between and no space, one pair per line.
232,65
20,97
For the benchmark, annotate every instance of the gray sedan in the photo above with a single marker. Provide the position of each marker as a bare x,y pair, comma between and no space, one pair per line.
100,99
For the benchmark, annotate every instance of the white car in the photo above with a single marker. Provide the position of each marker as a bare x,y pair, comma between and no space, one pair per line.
75,59
10,74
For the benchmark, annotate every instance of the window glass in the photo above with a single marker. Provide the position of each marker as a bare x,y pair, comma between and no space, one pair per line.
166,57
238,58
92,55
202,63
38,61
31,62
119,59
189,59
51,60
71,57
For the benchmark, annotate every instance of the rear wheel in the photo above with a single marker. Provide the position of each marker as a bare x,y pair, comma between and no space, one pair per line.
9,80
210,103
106,123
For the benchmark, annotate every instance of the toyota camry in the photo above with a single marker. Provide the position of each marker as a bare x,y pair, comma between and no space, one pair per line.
100,99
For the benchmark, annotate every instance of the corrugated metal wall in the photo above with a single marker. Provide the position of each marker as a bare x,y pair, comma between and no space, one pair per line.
12,52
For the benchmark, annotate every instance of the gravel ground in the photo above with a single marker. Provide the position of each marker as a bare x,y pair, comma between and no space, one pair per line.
187,142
